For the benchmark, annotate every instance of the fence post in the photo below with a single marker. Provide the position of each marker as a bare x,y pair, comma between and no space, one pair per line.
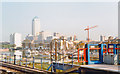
14,59
20,60
5,58
26,61
41,63
33,61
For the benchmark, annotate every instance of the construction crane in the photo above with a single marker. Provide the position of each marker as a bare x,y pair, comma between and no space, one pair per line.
88,28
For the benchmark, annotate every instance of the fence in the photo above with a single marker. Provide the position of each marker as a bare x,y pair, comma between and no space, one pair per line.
31,62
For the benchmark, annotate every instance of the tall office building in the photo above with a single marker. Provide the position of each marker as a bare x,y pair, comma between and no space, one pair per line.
35,26
16,39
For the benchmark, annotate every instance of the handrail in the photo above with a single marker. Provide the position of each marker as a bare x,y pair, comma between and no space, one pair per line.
18,61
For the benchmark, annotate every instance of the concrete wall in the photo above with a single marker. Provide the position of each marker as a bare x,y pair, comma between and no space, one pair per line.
111,59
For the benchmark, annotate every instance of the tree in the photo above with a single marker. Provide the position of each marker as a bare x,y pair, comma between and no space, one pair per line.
13,45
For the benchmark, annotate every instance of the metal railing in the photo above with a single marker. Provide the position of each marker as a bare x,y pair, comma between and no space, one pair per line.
30,62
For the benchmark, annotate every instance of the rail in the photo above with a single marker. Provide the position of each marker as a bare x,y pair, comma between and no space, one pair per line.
28,62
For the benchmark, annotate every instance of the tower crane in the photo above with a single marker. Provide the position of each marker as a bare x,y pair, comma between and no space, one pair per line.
88,28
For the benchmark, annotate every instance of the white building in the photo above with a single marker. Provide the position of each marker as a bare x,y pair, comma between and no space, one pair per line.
35,26
43,35
29,37
70,38
119,20
55,34
102,38
11,39
18,53
49,39
16,39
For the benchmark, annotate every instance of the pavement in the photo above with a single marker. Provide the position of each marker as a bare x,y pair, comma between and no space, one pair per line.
105,67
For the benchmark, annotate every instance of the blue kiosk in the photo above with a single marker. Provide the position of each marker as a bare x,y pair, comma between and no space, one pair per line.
100,48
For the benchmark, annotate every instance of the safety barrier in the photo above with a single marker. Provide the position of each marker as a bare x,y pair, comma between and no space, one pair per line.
114,48
30,62
84,53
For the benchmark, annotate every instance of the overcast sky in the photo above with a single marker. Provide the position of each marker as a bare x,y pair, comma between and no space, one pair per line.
63,17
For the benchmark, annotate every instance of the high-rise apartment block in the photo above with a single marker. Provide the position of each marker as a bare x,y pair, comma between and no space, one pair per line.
16,39
29,37
35,26
102,38
43,35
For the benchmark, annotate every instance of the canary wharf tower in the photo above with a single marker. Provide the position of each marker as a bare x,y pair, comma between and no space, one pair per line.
35,26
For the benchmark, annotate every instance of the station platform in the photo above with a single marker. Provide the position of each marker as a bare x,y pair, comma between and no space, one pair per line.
102,67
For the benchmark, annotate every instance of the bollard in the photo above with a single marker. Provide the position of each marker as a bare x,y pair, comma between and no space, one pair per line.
33,62
14,59
20,60
26,61
41,63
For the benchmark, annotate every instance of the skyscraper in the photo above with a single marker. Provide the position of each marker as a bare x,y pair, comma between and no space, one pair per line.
16,39
35,26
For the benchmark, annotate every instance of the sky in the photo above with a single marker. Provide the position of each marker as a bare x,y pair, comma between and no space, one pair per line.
68,18
59,0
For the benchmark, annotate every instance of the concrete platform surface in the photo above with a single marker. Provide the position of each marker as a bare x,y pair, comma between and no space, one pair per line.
105,67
